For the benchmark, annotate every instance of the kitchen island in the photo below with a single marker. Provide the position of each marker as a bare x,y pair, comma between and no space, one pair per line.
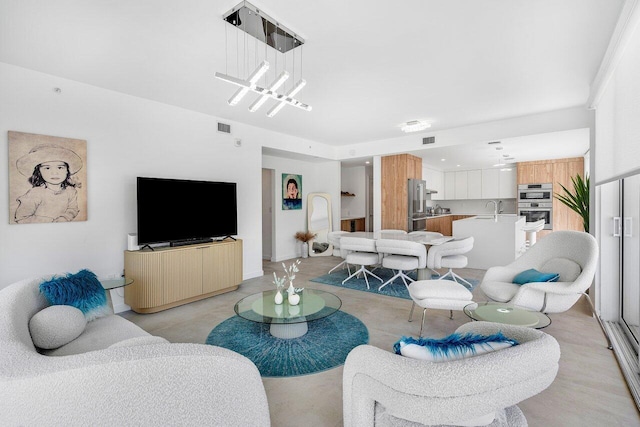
498,240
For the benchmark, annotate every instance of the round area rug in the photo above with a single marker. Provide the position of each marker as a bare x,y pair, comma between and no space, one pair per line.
323,347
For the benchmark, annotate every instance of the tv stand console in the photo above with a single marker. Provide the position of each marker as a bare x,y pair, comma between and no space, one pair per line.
171,276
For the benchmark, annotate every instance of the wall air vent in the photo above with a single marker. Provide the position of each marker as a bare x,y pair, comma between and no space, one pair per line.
494,142
429,140
223,127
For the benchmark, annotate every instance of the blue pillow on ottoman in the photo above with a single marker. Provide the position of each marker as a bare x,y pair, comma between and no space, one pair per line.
81,290
533,275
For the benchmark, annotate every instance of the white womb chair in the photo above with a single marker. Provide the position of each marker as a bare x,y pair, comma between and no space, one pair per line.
360,251
381,388
401,256
450,255
392,231
571,254
334,240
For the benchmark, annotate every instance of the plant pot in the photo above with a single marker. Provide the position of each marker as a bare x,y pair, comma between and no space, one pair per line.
305,249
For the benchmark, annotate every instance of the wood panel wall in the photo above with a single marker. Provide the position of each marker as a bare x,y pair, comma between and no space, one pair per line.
557,171
395,171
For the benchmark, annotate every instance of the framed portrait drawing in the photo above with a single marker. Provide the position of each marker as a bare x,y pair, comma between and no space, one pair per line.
291,191
47,179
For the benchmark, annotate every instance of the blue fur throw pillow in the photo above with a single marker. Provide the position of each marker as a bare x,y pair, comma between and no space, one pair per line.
81,290
452,347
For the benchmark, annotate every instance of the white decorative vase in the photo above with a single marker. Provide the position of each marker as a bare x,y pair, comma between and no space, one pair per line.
291,289
305,249
294,299
278,298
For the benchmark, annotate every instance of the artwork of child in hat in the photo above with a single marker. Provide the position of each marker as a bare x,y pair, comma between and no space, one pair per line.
53,196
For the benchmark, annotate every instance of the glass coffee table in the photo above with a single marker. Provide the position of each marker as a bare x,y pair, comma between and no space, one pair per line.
288,321
501,312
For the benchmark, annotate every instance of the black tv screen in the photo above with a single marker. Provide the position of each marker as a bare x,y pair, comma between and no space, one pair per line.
176,210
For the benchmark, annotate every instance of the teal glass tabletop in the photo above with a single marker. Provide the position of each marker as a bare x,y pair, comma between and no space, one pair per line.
261,307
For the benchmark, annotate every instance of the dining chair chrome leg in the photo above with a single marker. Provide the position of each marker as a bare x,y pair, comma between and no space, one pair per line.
424,313
413,304
451,314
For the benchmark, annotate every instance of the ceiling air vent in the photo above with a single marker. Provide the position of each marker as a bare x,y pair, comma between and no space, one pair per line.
428,140
222,127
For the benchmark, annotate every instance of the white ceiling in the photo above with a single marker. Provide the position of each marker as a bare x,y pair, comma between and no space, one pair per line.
369,65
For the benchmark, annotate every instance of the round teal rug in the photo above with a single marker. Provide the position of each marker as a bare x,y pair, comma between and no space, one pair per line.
325,346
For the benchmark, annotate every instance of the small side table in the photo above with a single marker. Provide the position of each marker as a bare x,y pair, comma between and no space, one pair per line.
109,284
505,313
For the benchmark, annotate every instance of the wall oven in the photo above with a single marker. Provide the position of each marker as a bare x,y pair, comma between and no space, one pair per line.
541,193
533,211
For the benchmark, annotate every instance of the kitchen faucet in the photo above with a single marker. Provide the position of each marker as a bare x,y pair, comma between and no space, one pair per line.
495,208
500,209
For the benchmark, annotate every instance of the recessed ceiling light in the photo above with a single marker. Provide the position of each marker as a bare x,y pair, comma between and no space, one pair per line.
442,160
367,162
414,126
457,165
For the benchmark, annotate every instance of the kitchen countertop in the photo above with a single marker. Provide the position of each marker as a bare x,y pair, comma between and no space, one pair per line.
348,218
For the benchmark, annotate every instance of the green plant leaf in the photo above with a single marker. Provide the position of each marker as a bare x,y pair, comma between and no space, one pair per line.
578,200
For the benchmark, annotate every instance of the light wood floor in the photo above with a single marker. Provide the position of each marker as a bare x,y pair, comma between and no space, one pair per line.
589,389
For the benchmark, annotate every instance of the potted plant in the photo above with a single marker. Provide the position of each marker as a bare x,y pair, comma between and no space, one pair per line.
578,200
304,237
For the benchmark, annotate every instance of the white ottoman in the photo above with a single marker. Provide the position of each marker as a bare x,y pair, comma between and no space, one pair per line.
438,294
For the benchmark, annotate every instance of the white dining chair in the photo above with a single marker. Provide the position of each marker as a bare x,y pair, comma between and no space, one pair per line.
360,251
401,256
450,255
334,240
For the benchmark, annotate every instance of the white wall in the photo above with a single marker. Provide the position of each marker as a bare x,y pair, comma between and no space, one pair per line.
354,180
317,177
129,137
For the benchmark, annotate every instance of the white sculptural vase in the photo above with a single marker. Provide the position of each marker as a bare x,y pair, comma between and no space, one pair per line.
291,289
294,299
278,299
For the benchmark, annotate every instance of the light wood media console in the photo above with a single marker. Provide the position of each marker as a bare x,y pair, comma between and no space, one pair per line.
171,276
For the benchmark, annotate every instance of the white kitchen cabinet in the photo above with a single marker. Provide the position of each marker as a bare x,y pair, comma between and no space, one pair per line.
491,183
499,184
461,189
474,184
435,181
450,185
508,184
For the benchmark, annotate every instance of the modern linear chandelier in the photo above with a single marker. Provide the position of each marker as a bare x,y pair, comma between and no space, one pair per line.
273,38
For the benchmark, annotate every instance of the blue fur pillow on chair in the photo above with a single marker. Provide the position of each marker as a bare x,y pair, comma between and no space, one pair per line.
81,290
452,347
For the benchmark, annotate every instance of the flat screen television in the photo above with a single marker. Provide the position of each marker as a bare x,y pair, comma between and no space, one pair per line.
179,211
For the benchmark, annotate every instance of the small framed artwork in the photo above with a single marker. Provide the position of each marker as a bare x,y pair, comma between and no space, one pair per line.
291,191
47,179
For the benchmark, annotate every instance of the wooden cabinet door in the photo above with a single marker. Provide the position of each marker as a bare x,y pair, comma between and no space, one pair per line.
219,266
182,273
147,289
446,225
526,174
543,172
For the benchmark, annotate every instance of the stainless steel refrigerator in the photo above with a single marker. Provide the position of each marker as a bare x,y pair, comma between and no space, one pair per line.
417,204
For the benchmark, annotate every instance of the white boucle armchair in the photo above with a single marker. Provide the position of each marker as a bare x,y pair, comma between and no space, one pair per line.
381,388
138,381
